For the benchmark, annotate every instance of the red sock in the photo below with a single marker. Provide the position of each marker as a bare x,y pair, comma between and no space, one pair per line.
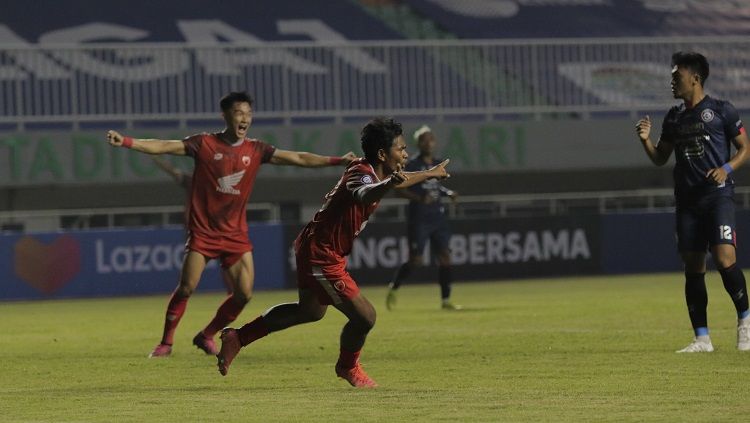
175,310
226,314
348,359
252,331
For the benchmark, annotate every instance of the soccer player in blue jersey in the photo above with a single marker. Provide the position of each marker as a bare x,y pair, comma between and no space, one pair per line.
426,221
701,132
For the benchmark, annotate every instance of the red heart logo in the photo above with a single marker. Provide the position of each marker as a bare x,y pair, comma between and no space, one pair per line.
47,267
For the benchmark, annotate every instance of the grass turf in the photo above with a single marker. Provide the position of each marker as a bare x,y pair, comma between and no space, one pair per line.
571,349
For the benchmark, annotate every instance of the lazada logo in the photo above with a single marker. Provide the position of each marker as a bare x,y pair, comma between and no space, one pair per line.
47,267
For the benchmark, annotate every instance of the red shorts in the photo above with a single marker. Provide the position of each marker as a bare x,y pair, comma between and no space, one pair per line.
228,249
330,281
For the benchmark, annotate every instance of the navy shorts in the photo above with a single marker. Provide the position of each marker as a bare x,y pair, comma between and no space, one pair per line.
705,222
434,230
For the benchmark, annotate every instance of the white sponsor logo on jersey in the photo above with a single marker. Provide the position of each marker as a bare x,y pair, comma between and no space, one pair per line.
218,156
227,183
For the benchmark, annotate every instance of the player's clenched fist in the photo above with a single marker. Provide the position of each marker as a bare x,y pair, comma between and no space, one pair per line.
348,158
643,128
114,138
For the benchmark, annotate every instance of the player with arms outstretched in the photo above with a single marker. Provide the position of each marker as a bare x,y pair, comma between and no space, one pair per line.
701,132
322,246
226,164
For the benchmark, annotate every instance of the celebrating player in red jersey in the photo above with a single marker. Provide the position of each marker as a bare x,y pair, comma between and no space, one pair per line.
225,167
322,246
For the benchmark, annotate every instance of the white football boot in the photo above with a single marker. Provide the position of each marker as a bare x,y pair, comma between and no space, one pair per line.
699,344
743,334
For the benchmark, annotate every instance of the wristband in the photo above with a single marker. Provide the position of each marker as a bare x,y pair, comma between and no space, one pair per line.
127,142
333,161
728,169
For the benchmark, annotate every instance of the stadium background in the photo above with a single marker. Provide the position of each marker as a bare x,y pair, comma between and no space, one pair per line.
534,102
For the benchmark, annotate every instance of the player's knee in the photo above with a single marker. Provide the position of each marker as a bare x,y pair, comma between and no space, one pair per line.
365,323
313,315
317,315
725,262
185,290
241,298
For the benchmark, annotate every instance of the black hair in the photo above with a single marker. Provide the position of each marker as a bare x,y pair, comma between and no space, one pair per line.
233,97
696,62
377,135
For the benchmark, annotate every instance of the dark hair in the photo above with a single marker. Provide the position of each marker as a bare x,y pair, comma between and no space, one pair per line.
233,97
696,62
378,135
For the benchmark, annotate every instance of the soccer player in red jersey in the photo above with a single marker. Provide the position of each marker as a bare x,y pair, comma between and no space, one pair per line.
226,164
322,246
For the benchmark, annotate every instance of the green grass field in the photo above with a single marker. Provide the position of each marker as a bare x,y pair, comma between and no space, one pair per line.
573,349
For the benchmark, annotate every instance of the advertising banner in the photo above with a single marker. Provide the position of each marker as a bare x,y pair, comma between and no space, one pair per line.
116,263
480,249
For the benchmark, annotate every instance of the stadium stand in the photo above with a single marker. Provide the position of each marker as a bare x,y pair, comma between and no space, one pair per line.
78,67
493,19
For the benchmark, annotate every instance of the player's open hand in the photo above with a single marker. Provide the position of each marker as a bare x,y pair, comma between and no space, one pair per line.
114,138
438,171
643,128
717,175
348,158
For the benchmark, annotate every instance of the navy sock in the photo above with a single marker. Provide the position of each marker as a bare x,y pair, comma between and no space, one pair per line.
402,273
444,278
734,283
697,300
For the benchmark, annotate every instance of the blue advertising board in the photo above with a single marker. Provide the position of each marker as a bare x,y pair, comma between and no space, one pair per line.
117,263
138,262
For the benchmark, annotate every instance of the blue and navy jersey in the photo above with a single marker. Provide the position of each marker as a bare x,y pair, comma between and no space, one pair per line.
431,187
702,138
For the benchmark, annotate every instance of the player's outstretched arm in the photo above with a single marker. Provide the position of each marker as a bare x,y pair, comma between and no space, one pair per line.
374,192
438,171
305,159
148,146
659,154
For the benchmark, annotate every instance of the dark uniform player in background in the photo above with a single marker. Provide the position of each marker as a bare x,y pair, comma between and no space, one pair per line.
700,132
426,221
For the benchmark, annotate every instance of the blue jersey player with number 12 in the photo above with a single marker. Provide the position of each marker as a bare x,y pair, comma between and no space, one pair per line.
701,132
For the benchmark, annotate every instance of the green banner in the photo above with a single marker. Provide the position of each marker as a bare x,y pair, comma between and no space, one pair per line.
84,157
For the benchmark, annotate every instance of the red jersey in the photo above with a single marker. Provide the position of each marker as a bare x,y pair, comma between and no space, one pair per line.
332,231
223,179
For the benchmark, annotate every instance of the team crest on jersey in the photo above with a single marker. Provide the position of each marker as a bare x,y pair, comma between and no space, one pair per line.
366,179
339,286
218,156
246,160
707,115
